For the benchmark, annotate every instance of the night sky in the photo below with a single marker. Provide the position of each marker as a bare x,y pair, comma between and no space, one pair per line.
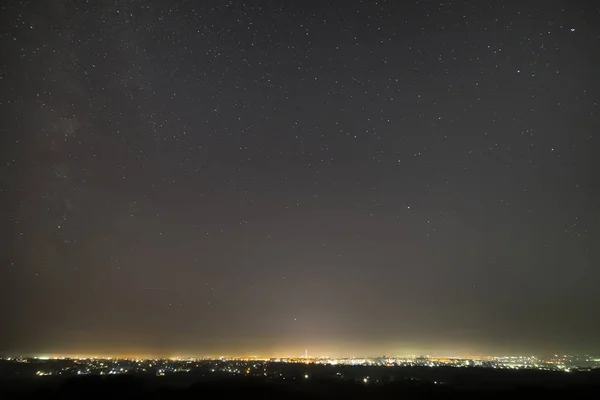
351,177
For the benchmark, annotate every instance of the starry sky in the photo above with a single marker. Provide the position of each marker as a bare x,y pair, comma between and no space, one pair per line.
351,177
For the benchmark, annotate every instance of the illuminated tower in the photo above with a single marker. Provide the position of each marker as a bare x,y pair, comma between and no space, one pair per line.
306,354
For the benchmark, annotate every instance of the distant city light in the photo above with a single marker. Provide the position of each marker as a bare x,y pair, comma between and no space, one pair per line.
273,367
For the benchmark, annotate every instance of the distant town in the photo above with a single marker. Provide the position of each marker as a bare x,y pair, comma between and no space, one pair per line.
281,368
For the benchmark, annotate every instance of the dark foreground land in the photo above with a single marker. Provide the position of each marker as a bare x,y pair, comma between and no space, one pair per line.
457,383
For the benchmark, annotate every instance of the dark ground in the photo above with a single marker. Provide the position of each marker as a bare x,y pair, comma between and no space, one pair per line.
466,383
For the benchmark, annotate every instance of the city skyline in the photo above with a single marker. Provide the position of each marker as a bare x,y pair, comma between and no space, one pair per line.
548,358
298,354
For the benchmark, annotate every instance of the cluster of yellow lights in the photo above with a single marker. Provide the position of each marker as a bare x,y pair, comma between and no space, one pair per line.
510,362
